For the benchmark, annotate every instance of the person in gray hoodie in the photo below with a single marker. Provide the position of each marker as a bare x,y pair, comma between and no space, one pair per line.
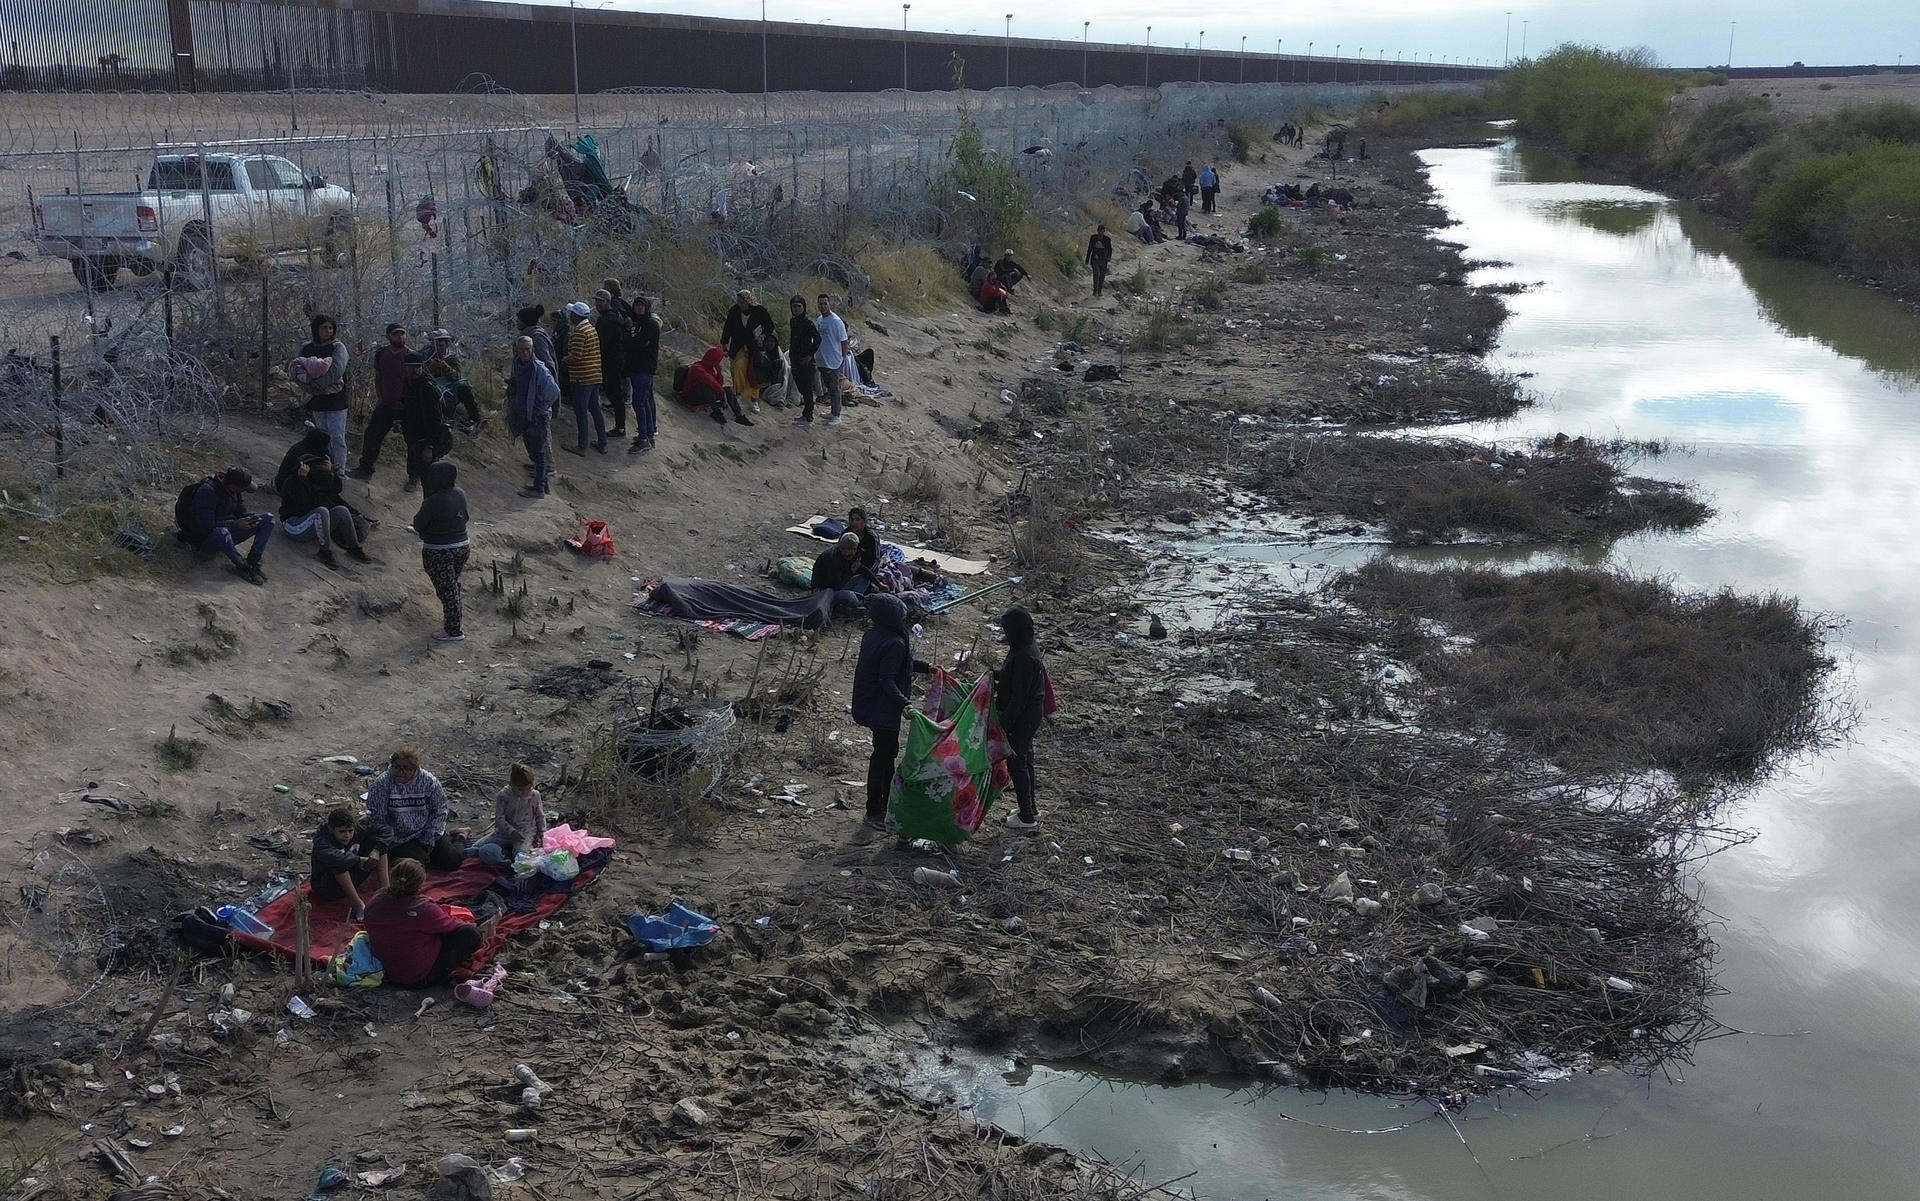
441,524
882,693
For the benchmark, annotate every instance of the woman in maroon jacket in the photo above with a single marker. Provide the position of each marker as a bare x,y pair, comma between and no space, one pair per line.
417,942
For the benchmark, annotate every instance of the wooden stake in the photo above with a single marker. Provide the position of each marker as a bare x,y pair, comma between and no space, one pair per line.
302,942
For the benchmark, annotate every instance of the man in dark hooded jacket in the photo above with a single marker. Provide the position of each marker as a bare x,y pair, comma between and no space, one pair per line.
1020,692
882,693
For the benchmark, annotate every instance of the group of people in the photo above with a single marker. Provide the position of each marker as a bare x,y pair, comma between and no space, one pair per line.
378,864
815,366
883,695
991,281
598,357
1290,195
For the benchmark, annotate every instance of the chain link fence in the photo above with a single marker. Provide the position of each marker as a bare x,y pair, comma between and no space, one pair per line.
461,211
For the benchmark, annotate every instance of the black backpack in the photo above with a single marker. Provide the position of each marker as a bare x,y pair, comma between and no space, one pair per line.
183,511
680,380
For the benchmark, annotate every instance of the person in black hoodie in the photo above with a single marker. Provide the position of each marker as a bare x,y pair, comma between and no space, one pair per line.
643,361
310,507
882,693
311,448
441,524
746,320
803,342
423,422
1020,691
610,322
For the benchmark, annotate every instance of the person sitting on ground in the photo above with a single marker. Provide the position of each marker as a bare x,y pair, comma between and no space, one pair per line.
311,508
1020,694
705,385
443,368
976,256
312,447
519,820
837,570
1008,271
407,813
422,422
869,544
993,296
338,867
418,943
882,694
1139,226
218,521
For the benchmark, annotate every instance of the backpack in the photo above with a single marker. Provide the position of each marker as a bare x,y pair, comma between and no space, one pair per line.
183,511
680,380
201,931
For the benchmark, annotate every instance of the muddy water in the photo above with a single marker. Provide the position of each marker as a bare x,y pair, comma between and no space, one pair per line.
1797,398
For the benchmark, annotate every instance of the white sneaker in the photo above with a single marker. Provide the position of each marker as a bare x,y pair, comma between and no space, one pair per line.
802,423
833,421
1020,823
443,636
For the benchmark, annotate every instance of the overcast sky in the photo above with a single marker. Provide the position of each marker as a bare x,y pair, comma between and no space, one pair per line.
1680,32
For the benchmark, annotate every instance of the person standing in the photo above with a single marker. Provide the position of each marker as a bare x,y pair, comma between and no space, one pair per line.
1099,256
423,422
882,694
610,326
1209,187
531,395
643,361
327,394
407,814
389,378
803,343
441,523
1020,693
1180,215
1189,179
443,368
582,361
746,320
832,354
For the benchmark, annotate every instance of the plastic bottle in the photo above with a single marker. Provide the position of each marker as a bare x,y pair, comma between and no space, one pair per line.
933,875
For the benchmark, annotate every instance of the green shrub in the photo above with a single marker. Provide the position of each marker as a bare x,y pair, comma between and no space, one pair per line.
1209,293
1422,108
1724,132
1800,214
1043,319
1267,223
1066,258
999,201
1883,214
1242,137
1311,256
1600,102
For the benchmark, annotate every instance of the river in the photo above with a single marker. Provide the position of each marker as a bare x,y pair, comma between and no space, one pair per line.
1792,400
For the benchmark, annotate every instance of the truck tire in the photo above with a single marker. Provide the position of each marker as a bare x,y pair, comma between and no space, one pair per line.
193,264
95,272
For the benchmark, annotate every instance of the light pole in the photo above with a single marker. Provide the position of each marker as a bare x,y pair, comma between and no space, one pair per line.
903,46
1731,26
1523,39
1147,80
1199,55
1359,62
1277,56
1085,27
293,93
1243,58
763,60
1336,62
573,24
1506,45
1009,49
1309,62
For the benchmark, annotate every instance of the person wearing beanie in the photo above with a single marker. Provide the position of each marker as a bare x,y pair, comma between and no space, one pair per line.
803,342
1020,692
583,377
610,325
217,521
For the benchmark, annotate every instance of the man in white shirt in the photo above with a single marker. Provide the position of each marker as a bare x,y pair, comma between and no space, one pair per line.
832,355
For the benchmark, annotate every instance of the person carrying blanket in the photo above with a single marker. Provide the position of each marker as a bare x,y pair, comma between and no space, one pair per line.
883,695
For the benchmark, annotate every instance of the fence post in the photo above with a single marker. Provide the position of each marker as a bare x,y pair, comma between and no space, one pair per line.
436,288
264,359
59,421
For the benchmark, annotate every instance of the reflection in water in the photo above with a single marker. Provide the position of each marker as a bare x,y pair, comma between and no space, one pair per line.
1610,218
1793,394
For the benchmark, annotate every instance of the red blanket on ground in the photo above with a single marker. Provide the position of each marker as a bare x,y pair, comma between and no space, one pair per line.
329,930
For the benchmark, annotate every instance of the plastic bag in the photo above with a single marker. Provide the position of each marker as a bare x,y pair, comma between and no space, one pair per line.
595,542
356,966
558,865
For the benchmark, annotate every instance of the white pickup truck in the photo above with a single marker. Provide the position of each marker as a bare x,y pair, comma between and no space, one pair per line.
196,206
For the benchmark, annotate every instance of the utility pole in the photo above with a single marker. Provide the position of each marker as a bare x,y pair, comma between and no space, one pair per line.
1523,39
1148,81
1277,56
1506,47
763,60
1009,49
573,26
1085,28
1731,26
1199,57
293,93
903,46
1243,58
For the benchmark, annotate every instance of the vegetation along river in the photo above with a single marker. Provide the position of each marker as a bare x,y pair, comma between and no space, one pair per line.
1792,399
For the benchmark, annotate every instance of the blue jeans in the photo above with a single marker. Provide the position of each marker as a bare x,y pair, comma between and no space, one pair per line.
586,399
335,424
323,525
227,542
536,440
494,850
846,600
645,420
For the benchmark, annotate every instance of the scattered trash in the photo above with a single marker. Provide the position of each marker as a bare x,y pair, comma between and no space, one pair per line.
1366,906
692,1112
1618,985
1237,854
298,1007
1340,888
380,1177
1429,894
677,929
522,1134
1266,998
1474,933
480,992
172,1131
933,875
